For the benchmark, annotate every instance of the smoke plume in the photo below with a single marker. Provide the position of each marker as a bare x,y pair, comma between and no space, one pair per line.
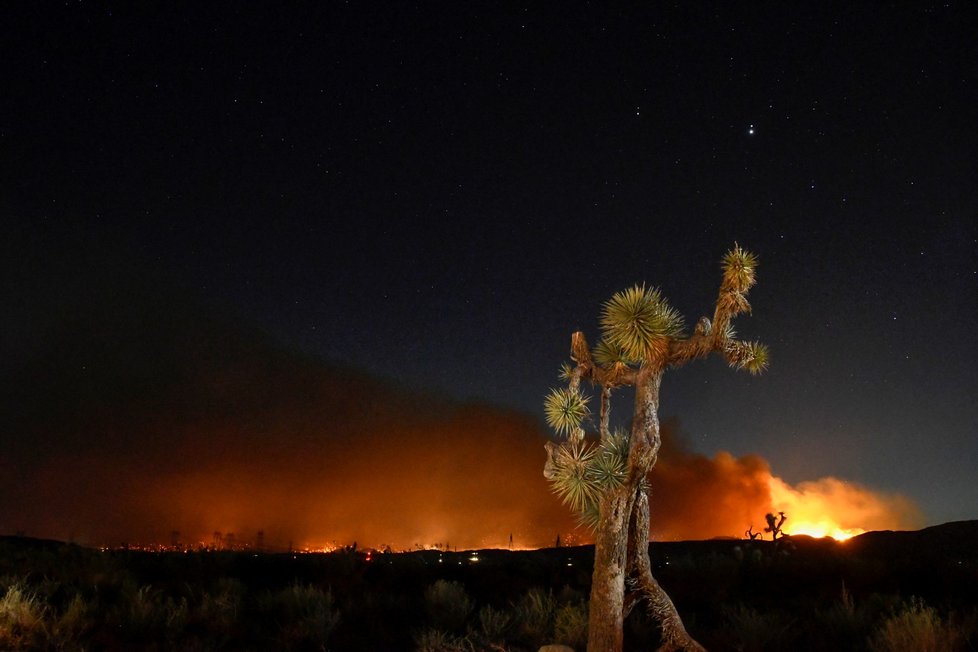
131,415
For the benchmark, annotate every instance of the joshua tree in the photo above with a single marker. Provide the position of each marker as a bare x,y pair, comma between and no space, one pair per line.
751,534
606,481
773,525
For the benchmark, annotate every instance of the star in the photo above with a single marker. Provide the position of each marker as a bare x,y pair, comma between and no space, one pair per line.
750,130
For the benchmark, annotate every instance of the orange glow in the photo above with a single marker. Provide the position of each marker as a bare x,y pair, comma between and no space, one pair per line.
408,477
229,442
830,507
823,528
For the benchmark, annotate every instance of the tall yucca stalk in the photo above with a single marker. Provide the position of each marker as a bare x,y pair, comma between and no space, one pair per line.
605,481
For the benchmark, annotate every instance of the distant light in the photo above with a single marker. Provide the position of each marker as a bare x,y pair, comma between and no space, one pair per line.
750,130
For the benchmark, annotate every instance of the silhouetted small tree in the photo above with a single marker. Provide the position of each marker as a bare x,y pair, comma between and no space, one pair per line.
774,525
751,534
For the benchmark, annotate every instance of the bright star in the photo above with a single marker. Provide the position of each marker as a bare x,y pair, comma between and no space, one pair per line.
750,130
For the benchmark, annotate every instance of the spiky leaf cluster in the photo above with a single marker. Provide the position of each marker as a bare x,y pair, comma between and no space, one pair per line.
571,481
566,371
751,356
610,464
728,331
733,302
565,410
640,322
608,355
739,268
590,516
739,275
583,472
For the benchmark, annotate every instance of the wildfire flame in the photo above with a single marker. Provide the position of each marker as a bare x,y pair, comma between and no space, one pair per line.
824,528
830,507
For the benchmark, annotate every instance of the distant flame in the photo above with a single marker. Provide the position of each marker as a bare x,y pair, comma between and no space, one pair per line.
830,507
823,528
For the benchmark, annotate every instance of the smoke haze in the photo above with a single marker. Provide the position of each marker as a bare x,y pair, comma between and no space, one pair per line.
129,412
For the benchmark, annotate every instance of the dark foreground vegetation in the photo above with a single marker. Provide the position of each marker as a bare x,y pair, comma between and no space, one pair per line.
879,591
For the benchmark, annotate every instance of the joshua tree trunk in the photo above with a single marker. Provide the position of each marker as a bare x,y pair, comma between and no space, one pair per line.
622,540
606,607
645,587
606,617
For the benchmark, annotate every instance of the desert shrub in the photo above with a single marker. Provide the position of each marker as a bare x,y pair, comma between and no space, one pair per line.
305,614
752,630
917,628
218,611
144,615
436,640
448,605
71,626
534,617
842,626
174,617
21,618
493,624
570,624
136,611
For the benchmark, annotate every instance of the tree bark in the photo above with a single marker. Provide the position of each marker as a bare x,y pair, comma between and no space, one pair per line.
646,439
645,586
607,603
606,607
644,444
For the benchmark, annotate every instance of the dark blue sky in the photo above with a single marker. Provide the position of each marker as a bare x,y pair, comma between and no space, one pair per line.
441,198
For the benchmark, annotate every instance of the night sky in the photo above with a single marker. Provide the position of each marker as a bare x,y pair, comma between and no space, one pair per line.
439,197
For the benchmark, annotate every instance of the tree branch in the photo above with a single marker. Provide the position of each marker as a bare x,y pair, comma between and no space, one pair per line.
644,444
617,375
580,351
605,412
709,337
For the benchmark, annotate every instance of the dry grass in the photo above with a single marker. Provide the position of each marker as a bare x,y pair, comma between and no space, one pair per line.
918,628
22,617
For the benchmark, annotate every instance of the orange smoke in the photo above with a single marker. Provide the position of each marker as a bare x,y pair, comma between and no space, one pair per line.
130,413
695,496
193,426
469,478
446,475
